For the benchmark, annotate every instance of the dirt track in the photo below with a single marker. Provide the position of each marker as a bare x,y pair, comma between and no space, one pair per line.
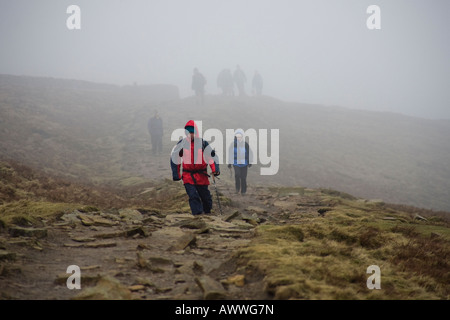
143,255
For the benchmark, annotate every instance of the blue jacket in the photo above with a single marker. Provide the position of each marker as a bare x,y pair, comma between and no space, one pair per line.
240,154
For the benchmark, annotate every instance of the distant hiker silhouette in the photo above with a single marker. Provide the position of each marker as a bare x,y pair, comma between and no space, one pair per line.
225,82
257,84
193,155
240,79
198,85
155,128
240,157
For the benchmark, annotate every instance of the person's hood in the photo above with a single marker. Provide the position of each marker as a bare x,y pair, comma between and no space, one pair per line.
191,123
239,131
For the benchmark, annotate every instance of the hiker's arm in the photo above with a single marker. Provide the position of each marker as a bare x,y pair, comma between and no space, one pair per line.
250,156
211,158
175,161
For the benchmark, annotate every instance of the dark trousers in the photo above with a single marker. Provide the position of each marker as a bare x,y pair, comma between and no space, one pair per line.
200,199
156,143
240,177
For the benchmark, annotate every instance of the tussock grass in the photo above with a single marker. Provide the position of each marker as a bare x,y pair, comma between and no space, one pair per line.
32,213
331,260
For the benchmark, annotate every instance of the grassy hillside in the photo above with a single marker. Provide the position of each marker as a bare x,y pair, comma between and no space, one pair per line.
75,129
326,257
98,132
290,242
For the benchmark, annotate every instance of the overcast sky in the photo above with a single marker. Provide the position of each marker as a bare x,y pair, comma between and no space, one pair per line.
310,51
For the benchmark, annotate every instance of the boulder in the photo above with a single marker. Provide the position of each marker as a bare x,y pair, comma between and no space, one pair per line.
184,241
212,290
232,216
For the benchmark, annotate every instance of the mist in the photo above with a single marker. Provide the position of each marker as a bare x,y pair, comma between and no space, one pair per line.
316,52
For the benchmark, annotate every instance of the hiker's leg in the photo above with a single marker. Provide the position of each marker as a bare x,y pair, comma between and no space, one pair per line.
205,195
244,180
154,143
160,148
237,179
194,199
241,179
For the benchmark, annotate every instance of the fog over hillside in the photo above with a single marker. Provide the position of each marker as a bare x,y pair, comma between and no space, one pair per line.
358,90
307,51
98,132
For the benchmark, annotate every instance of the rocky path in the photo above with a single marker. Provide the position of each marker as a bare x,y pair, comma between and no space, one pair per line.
138,254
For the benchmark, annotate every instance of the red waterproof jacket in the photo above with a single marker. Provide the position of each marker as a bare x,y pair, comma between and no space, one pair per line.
193,156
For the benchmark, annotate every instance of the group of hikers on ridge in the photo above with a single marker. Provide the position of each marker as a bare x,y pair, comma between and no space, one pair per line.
226,81
193,155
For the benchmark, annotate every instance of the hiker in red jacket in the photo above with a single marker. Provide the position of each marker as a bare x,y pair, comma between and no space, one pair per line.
194,155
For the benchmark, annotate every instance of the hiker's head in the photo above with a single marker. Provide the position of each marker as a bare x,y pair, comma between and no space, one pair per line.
190,129
239,134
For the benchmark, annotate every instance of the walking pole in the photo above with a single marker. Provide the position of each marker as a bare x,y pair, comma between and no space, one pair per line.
217,194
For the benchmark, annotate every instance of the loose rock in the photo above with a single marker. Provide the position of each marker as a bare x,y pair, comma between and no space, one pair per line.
192,224
88,220
212,290
237,280
183,242
101,245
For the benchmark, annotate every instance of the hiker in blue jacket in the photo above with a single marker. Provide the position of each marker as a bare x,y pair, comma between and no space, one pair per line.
240,157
